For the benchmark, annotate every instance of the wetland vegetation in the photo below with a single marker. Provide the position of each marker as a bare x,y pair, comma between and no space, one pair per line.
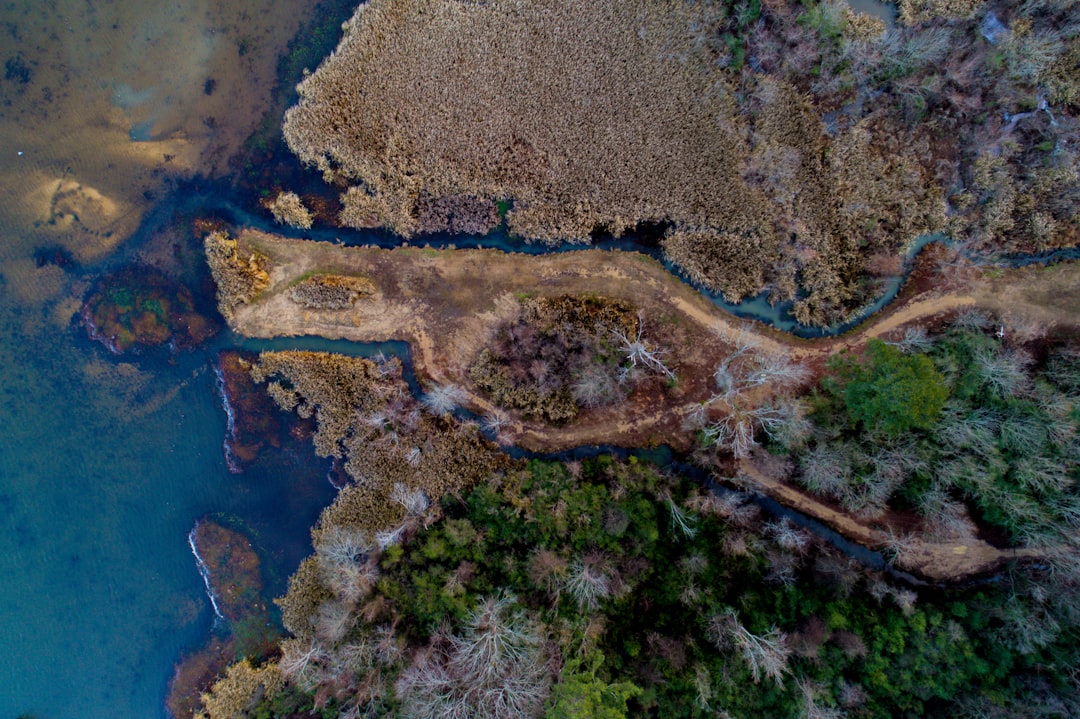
794,149
490,551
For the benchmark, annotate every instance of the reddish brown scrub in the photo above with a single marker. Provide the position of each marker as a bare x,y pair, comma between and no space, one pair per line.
139,308
253,421
233,568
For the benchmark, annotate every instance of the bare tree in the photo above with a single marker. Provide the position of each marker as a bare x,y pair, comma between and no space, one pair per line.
641,353
900,548
494,669
300,661
703,688
852,695
337,545
784,421
1063,369
812,706
443,399
333,621
414,501
748,367
590,580
733,432
788,536
905,599
725,375
783,567
682,522
914,339
841,572
596,386
974,431
386,538
1042,474
946,519
495,421
1023,434
735,507
547,570
386,365
381,646
826,470
1004,372
765,654
776,368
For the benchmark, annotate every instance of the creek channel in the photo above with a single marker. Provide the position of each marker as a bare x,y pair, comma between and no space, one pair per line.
108,462
646,241
662,456
756,309
212,201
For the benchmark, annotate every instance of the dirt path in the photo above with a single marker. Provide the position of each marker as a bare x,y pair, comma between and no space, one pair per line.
936,561
445,303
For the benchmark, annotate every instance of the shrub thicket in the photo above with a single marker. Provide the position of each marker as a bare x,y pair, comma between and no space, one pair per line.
475,615
559,354
889,392
963,419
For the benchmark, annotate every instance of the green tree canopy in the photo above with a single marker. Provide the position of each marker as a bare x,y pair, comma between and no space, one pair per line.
888,391
580,694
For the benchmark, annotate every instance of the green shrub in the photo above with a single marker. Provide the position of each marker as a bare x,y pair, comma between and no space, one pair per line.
889,392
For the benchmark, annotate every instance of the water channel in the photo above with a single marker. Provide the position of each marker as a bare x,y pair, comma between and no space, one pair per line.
107,463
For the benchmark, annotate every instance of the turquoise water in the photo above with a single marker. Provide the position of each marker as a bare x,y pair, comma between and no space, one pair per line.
106,463
101,478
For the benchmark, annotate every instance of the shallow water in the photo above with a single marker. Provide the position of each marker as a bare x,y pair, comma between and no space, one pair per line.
106,464
102,474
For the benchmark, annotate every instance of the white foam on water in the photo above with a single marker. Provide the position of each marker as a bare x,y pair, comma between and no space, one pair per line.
204,571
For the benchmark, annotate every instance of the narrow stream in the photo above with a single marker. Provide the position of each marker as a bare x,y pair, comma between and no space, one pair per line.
756,308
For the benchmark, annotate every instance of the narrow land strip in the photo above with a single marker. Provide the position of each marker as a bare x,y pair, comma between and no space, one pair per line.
446,304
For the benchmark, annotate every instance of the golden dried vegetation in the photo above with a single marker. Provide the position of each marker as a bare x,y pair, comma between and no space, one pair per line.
333,388
287,208
365,416
330,292
917,11
601,116
239,278
232,695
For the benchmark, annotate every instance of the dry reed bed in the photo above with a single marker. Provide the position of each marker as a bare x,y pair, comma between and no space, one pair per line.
602,114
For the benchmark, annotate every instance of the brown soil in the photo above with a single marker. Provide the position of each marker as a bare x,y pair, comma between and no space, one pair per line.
446,303
936,561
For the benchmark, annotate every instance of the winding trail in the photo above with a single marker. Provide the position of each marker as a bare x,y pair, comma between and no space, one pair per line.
939,561
446,304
